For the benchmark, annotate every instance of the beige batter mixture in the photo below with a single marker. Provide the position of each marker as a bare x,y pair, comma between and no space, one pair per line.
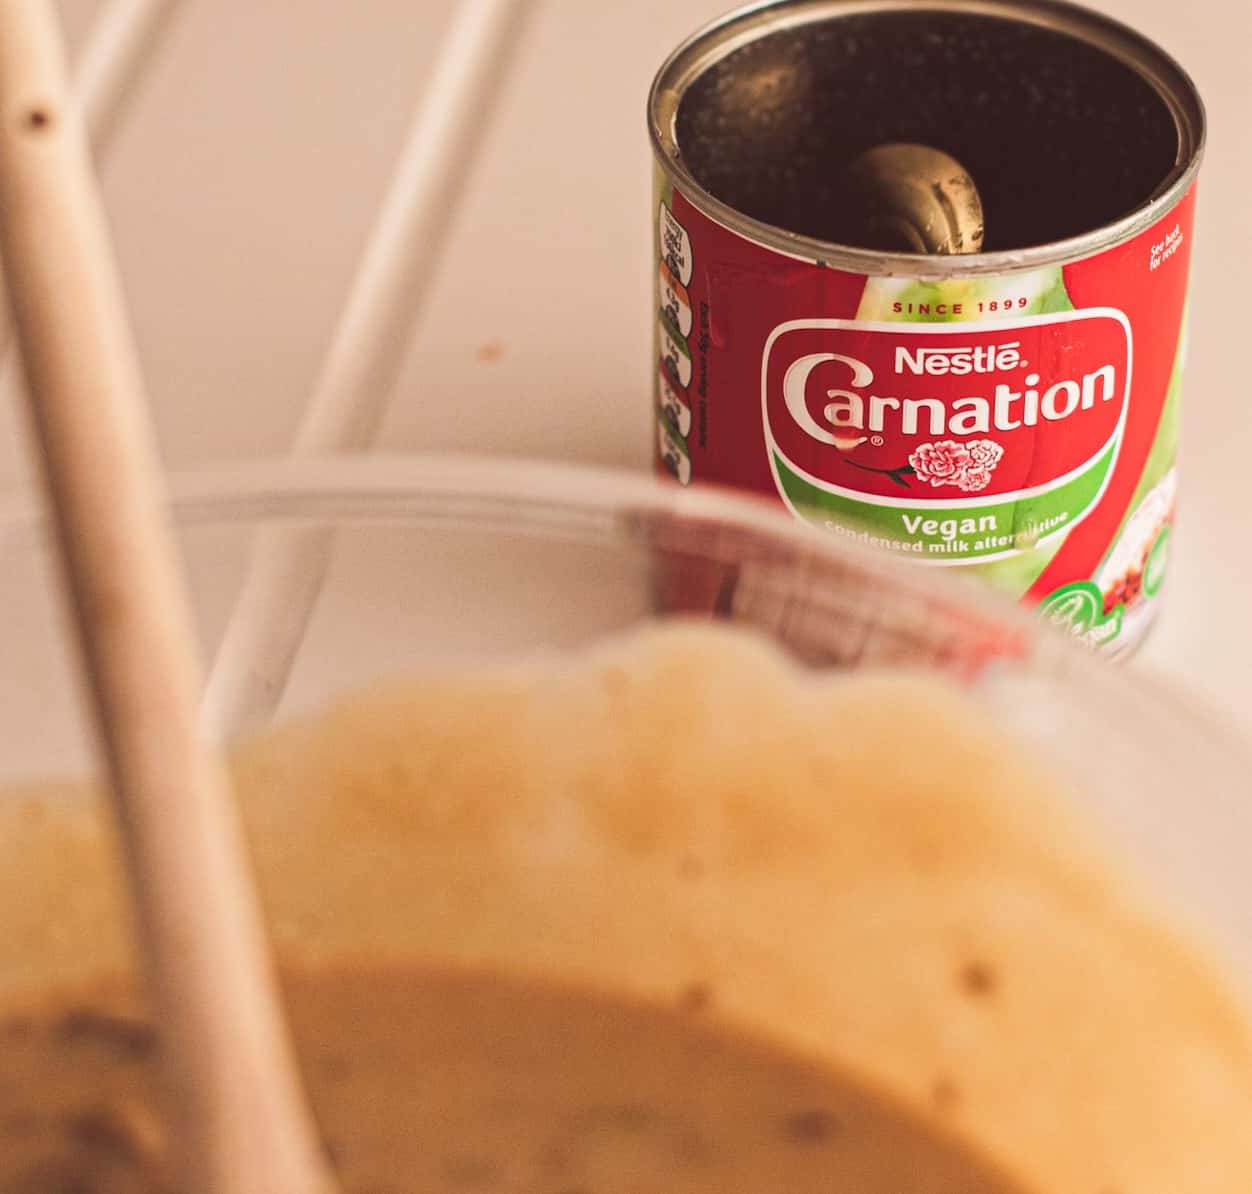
427,1081
669,916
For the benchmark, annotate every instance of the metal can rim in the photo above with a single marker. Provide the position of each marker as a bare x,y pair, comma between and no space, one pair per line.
742,26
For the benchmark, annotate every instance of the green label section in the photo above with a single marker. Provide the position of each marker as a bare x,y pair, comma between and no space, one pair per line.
1079,609
950,532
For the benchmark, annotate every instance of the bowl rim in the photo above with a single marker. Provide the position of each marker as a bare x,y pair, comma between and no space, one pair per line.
526,491
555,497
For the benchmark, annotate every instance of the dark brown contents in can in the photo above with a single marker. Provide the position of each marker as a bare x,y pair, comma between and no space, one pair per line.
1061,137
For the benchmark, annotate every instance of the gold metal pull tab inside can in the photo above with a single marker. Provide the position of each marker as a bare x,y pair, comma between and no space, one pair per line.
914,199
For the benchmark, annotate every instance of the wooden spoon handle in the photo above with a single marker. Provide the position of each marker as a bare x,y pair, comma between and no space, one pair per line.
241,1121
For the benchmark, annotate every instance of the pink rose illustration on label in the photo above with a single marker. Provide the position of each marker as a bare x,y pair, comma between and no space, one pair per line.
985,452
942,463
974,478
967,466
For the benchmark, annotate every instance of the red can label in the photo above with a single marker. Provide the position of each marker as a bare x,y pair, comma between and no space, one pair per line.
1021,426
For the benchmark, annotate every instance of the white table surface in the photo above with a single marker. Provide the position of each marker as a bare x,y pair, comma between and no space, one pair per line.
245,179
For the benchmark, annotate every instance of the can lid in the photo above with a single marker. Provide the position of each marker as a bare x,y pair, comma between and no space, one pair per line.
913,199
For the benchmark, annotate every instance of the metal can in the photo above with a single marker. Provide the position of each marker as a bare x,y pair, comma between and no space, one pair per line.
1012,412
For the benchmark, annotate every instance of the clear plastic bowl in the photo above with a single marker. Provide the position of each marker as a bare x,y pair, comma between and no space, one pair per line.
436,560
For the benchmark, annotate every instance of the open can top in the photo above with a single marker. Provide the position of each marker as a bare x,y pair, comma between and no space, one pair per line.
1079,132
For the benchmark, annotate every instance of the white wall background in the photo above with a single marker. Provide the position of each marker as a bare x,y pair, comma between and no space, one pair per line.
243,183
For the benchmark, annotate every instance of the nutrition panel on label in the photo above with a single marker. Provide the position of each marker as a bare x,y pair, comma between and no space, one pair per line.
675,321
